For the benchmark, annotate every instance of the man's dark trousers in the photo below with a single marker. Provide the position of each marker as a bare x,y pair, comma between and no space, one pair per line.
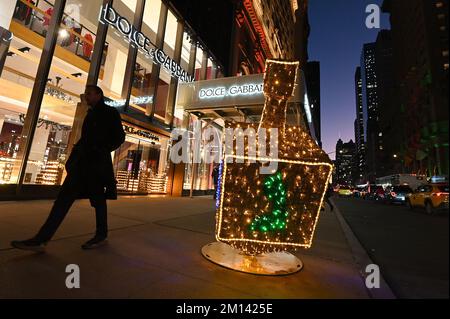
69,192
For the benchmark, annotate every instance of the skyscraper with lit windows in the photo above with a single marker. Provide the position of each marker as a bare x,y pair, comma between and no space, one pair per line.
373,135
360,161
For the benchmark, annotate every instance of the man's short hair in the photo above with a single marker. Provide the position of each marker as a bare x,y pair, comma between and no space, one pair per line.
96,88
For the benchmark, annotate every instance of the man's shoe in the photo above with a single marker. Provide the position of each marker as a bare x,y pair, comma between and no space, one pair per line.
29,244
94,243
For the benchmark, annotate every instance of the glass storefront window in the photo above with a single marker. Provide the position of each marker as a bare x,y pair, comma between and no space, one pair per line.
79,22
141,91
66,81
201,172
198,63
185,57
34,15
115,55
10,128
170,34
131,4
185,52
141,162
29,21
151,19
141,95
209,70
162,94
160,102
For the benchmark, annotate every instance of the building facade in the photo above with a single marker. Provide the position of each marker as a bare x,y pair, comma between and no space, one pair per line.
344,163
244,33
312,77
391,121
262,29
374,138
421,60
359,125
137,51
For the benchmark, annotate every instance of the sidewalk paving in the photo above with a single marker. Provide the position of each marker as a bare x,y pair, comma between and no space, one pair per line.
154,252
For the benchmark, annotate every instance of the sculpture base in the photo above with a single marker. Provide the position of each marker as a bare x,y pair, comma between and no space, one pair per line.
270,264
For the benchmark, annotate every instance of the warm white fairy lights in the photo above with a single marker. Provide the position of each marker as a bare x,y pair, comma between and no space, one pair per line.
260,213
232,238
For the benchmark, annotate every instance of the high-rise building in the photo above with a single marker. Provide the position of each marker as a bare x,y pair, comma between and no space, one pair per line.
312,76
373,136
359,129
390,119
344,163
421,61
301,32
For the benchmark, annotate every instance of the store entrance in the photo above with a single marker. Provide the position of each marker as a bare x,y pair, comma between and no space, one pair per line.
212,103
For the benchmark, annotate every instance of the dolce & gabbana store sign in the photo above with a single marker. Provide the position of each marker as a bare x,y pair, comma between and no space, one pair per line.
109,16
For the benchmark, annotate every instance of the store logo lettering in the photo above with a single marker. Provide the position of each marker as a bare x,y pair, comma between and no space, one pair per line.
136,100
138,132
170,65
235,90
109,16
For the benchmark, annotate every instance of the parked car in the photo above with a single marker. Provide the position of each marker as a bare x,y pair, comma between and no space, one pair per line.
376,192
432,197
360,192
345,191
397,194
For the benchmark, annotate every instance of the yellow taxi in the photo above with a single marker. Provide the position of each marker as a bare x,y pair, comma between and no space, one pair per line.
432,197
345,191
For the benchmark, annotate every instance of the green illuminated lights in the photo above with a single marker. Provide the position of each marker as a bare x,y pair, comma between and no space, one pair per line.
275,191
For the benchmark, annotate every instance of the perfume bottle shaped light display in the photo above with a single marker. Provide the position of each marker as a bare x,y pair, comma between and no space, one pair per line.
261,216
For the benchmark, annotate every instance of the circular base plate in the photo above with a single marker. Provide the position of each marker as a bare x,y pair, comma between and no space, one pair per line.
270,264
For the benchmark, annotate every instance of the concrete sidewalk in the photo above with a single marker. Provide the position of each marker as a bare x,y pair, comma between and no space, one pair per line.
154,252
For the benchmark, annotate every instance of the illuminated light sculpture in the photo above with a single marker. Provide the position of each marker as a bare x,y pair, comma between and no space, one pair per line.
262,216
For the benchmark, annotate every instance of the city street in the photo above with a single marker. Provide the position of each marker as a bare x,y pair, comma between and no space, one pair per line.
411,248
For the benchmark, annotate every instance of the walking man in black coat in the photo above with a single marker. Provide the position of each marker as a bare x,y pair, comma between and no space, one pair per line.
90,172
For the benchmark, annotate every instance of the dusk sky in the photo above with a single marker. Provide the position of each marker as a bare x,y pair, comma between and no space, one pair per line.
338,33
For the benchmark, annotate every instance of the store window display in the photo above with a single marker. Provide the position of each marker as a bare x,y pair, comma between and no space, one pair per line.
141,162
17,78
55,133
